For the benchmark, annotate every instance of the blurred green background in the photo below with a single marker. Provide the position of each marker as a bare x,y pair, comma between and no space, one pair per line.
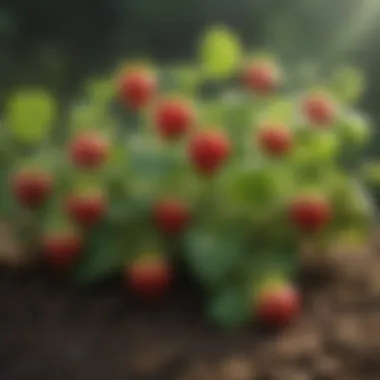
60,43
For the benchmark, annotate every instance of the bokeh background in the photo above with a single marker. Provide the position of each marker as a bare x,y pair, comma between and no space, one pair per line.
60,43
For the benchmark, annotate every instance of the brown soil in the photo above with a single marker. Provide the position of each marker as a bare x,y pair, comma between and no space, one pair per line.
50,331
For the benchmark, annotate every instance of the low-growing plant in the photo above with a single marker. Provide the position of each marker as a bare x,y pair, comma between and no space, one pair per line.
219,164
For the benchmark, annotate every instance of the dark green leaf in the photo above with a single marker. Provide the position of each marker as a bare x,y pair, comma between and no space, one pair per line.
107,253
280,261
231,308
214,256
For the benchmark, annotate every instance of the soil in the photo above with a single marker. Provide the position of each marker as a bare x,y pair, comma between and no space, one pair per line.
50,330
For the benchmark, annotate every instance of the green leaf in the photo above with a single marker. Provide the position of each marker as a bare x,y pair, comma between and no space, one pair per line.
354,129
278,260
30,115
211,113
220,52
85,117
106,255
237,114
100,91
180,78
348,84
231,308
188,78
279,110
370,173
213,256
258,186
352,203
325,146
316,148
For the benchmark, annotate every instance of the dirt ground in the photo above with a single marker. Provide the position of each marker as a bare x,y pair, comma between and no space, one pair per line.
51,331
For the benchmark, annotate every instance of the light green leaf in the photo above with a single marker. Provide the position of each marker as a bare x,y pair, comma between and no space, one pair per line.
348,84
30,115
100,91
355,129
325,145
316,147
257,187
220,52
279,110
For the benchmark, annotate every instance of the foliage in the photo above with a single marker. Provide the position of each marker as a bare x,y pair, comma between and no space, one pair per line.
240,233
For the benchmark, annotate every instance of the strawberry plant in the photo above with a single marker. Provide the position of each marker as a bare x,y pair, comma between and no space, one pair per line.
220,164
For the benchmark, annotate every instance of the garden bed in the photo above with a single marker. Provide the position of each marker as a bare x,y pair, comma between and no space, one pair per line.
51,330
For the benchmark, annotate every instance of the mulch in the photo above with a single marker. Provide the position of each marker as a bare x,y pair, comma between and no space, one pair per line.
51,330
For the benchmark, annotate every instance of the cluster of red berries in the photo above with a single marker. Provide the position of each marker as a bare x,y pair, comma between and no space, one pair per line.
149,277
308,212
175,118
208,150
33,187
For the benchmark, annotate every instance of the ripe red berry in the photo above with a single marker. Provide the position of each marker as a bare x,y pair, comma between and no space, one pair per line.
310,213
261,77
150,277
279,306
89,150
319,109
275,139
173,118
171,216
61,248
32,187
208,150
87,209
137,88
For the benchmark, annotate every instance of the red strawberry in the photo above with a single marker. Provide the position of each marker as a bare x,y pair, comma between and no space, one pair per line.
137,88
279,306
173,118
171,216
208,150
150,277
89,150
87,208
310,213
319,109
275,139
261,77
32,187
62,248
